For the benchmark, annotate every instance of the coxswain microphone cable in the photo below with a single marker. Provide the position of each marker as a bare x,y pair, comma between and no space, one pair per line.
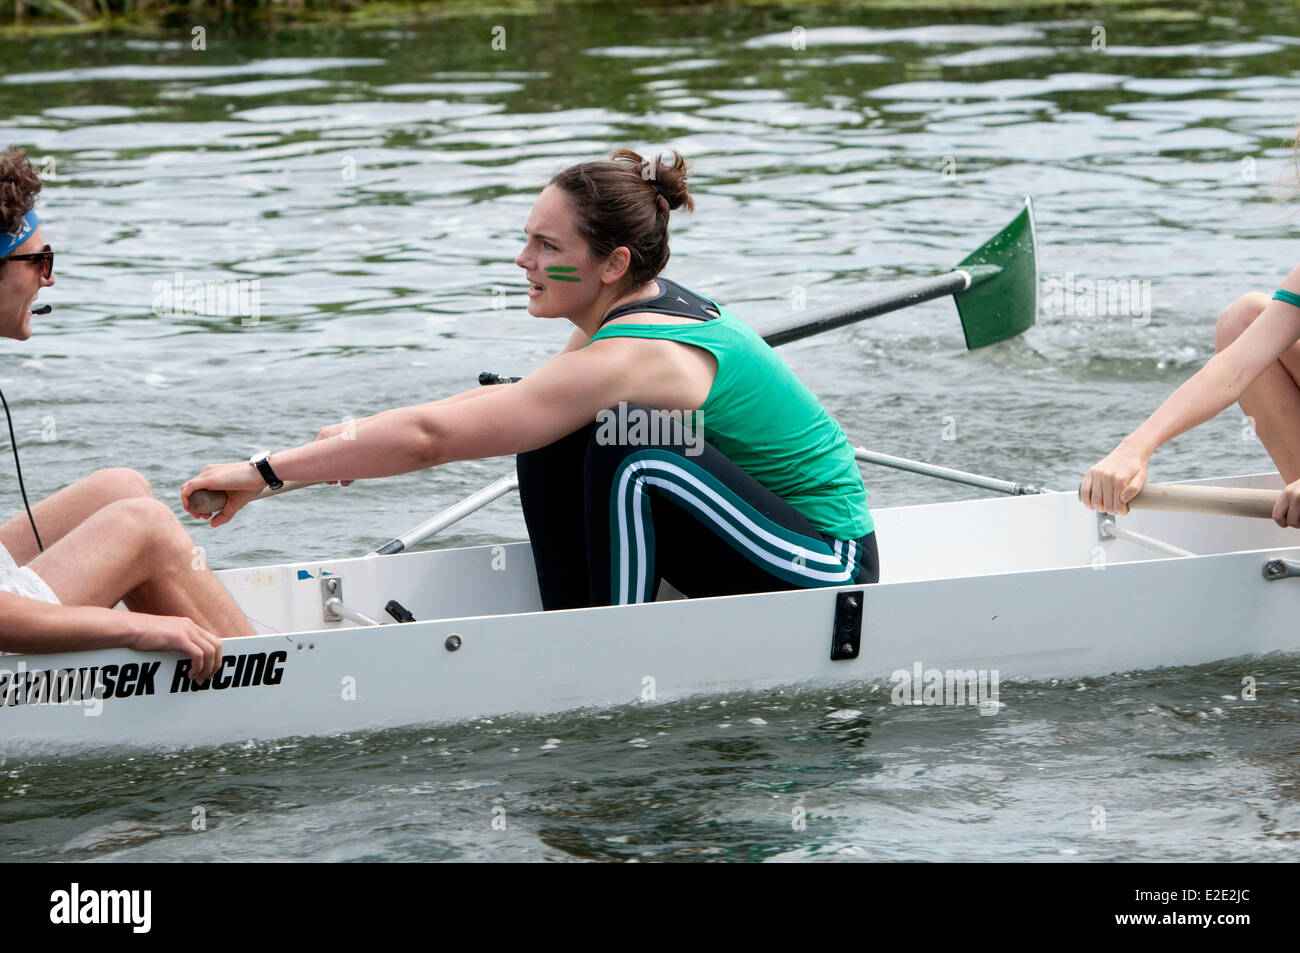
13,442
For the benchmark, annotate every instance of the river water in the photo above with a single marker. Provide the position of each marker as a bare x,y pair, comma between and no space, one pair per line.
374,182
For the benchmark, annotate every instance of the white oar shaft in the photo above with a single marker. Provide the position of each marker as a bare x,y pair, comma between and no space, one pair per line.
947,473
457,511
1219,500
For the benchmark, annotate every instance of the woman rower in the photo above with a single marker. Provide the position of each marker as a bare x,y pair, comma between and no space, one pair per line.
67,561
1257,364
665,440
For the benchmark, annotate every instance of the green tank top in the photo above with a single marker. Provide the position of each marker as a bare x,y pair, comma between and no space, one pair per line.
763,418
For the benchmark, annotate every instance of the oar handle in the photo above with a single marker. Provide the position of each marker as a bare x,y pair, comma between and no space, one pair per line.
212,501
1219,500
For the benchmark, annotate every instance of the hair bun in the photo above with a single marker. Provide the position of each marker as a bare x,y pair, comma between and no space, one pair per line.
668,196
667,180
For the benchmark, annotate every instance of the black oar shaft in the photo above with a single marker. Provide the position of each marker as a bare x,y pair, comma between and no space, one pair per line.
805,325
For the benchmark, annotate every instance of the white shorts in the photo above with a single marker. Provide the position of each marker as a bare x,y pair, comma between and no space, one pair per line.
21,581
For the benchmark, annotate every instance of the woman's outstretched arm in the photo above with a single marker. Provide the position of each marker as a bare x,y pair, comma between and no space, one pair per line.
556,399
1116,479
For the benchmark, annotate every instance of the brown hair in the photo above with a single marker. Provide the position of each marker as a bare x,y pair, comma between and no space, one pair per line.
19,184
616,203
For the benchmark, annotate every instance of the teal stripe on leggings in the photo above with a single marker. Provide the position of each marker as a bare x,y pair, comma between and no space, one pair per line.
802,560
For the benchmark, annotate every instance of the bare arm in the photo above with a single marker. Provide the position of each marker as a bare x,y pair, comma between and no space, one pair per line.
29,626
556,399
576,341
349,425
1221,382
470,394
581,373
1115,480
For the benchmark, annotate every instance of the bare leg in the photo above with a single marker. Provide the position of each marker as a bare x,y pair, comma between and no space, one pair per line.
61,512
136,551
1273,399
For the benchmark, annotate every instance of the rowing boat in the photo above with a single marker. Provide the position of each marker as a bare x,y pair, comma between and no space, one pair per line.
1027,587
982,591
482,644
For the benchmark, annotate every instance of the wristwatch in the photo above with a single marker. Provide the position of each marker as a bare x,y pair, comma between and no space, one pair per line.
261,462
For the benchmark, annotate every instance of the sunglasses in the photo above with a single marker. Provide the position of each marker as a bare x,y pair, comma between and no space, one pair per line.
46,258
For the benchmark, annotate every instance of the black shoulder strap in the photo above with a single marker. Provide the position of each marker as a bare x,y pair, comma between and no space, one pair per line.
674,300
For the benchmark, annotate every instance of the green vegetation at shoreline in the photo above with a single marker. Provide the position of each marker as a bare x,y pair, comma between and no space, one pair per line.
62,16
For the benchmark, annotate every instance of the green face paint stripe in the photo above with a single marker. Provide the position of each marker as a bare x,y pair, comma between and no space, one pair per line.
561,267
564,277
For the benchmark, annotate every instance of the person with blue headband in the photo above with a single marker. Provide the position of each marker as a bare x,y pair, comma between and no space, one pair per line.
1257,365
70,558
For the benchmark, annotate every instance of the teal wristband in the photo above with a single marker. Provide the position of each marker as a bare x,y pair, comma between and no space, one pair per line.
1290,297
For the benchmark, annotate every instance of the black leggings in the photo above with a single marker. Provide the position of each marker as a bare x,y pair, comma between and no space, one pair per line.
608,520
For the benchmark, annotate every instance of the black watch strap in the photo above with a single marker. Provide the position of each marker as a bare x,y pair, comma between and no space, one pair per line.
263,465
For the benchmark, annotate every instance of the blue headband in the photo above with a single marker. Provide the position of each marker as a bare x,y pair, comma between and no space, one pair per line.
11,240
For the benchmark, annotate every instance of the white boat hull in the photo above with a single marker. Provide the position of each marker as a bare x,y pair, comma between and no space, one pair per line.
1019,586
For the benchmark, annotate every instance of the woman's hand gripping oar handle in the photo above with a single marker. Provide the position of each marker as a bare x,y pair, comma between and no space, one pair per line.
1219,500
211,501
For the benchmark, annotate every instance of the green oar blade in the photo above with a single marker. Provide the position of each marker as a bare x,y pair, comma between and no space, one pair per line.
1002,300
